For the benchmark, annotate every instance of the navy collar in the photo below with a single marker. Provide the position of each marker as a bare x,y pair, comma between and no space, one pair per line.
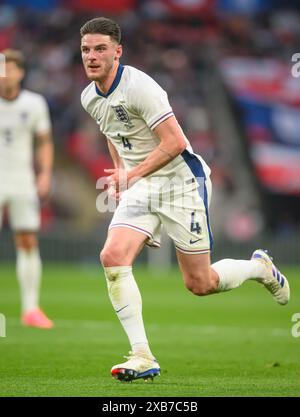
114,84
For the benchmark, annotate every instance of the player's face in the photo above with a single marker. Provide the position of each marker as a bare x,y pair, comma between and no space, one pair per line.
13,77
99,53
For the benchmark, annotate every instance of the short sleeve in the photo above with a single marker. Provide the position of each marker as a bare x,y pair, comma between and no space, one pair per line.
150,101
42,123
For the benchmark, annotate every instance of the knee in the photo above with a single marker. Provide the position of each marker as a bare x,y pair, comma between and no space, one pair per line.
111,256
201,285
106,256
26,241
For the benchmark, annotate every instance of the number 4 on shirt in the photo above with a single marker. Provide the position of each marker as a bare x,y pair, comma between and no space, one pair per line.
125,142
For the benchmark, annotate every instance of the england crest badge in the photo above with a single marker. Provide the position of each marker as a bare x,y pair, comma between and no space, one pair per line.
122,115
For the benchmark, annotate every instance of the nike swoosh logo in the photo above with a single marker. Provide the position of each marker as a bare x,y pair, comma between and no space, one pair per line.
194,241
118,311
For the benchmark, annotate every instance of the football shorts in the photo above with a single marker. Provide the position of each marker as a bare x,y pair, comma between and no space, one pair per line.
179,205
23,209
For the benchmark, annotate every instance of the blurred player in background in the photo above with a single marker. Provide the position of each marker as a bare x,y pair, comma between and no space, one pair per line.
150,150
25,132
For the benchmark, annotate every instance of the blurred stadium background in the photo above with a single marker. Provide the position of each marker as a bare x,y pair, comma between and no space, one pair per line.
227,66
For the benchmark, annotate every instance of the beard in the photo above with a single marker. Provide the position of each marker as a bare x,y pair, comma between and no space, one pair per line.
100,74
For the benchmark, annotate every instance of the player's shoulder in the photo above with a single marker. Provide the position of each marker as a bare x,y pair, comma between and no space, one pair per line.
88,95
136,76
138,81
32,97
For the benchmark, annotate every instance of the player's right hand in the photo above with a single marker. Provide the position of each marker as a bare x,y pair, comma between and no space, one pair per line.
113,193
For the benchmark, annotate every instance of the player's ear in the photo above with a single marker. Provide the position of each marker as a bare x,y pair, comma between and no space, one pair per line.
22,74
119,52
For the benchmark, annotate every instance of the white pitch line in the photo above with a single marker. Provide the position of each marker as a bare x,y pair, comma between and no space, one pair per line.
93,324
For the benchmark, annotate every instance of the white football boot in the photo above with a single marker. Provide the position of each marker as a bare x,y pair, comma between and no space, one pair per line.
274,281
136,367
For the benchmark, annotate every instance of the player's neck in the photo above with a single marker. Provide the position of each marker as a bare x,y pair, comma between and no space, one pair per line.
11,93
104,85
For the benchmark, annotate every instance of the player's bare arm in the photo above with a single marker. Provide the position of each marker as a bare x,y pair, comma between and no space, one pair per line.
44,160
172,144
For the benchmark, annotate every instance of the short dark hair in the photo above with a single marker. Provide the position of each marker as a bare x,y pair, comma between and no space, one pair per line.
14,55
104,26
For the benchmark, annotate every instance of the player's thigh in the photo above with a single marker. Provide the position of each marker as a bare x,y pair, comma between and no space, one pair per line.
122,246
197,274
194,268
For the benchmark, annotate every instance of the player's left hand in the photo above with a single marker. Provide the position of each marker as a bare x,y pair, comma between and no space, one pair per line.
43,182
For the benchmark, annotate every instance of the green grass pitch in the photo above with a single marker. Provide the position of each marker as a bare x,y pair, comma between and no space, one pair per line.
237,343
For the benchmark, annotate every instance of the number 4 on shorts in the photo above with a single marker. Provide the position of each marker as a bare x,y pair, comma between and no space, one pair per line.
195,226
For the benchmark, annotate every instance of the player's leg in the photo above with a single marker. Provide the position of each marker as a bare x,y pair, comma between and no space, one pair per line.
198,276
120,250
202,278
29,270
189,229
24,218
122,246
232,273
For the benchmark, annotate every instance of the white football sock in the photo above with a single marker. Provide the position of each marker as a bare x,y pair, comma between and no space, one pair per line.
127,302
29,269
232,272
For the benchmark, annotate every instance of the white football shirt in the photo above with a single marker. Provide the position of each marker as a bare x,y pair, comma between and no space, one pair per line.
127,115
20,120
